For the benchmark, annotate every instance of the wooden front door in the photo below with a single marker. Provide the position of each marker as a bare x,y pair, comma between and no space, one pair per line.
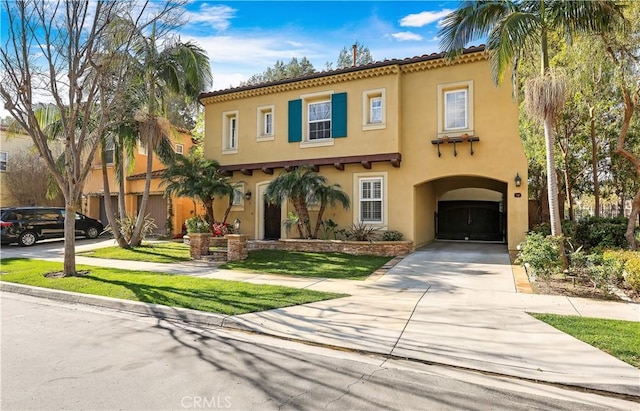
272,223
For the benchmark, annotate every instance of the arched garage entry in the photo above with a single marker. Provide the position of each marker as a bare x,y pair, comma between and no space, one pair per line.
465,208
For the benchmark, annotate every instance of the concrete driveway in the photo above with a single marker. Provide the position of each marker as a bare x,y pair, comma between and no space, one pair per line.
456,304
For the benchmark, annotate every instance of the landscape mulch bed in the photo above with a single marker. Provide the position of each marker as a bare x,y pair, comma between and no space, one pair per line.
576,288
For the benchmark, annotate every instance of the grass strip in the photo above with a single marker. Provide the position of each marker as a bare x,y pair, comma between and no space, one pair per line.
216,296
155,252
616,337
309,264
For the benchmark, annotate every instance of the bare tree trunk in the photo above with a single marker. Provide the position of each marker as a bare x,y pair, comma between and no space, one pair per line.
69,236
552,185
228,210
115,227
136,238
208,212
122,208
319,220
594,162
633,218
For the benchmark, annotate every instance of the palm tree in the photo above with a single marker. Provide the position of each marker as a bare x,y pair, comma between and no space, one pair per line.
176,67
329,195
515,27
198,178
296,185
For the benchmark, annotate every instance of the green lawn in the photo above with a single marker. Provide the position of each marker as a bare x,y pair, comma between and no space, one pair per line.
155,252
216,296
307,264
618,338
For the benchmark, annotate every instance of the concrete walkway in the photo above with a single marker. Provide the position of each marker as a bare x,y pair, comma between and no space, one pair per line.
449,303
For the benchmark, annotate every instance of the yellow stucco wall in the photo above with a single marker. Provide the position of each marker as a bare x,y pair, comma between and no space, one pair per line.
411,106
94,187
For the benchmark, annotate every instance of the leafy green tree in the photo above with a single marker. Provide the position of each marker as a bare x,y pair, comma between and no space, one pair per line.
280,71
345,58
296,185
511,28
329,195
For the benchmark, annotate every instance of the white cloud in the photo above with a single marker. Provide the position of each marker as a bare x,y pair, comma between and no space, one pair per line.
218,16
406,36
424,18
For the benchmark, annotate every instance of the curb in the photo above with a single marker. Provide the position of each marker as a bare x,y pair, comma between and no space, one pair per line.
230,323
155,310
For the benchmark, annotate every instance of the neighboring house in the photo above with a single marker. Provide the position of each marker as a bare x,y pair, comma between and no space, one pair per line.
424,146
169,213
16,146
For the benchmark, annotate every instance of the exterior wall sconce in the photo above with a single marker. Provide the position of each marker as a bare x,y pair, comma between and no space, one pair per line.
518,180
236,225
247,195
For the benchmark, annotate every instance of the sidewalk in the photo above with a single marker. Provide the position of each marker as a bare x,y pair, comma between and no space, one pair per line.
453,304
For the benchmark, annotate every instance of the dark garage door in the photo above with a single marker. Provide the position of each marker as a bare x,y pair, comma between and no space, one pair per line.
470,220
157,209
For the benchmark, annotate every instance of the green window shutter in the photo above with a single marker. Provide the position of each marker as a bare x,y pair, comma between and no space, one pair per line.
339,115
295,121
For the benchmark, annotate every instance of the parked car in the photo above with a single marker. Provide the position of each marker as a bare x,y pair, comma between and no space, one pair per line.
26,225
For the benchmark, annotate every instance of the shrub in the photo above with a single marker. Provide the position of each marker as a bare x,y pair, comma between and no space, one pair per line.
632,273
360,232
589,267
221,229
540,254
126,226
197,224
594,232
392,235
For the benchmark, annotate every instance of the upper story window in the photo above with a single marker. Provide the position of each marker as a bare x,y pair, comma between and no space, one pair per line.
4,158
319,120
109,153
179,148
230,132
373,109
265,123
455,109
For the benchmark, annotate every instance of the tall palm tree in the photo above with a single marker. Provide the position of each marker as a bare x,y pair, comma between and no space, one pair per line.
515,27
296,185
329,195
170,66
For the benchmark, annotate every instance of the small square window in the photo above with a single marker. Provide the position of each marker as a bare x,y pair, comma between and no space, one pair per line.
179,149
265,122
238,195
373,109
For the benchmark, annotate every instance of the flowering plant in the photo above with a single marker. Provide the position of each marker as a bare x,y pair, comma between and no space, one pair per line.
221,229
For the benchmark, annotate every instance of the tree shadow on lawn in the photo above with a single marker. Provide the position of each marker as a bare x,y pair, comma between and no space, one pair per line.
223,297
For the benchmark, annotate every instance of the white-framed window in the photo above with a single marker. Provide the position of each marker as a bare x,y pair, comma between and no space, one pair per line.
373,109
455,109
142,148
109,153
4,158
238,196
230,132
179,148
265,122
371,200
319,119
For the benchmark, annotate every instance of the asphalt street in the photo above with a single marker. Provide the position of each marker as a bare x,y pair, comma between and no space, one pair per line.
70,356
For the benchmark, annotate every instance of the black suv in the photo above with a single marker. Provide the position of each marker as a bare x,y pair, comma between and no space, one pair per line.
26,225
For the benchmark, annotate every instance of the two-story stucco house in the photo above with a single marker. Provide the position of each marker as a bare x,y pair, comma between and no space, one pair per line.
425,146
168,213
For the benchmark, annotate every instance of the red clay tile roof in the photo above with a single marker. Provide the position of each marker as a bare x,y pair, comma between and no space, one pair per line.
142,176
408,60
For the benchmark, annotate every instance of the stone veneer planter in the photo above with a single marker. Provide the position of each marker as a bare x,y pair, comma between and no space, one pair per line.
380,248
199,244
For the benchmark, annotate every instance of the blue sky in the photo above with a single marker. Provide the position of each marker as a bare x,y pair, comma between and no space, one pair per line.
245,37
